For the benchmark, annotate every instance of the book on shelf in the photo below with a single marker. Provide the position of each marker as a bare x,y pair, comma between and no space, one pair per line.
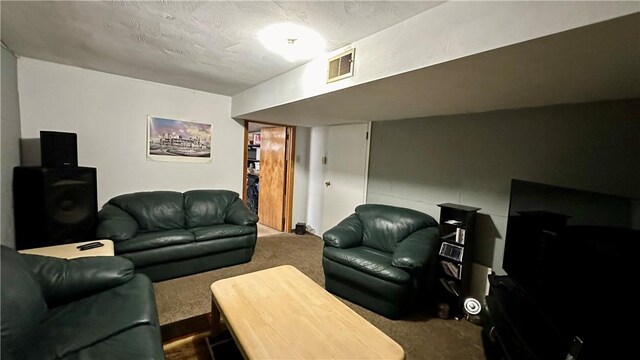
452,233
451,269
460,233
451,251
447,230
449,236
451,286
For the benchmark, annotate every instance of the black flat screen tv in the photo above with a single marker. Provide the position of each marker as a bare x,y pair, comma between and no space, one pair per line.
573,253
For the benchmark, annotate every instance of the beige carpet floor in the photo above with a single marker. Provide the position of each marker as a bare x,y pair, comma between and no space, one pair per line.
422,335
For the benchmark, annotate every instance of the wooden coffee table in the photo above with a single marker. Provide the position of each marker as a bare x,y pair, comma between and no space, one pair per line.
280,313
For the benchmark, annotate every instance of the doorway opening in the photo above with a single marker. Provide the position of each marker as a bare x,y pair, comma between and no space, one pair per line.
268,173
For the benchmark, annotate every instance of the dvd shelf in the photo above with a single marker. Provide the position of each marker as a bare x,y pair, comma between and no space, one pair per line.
451,251
451,286
457,224
451,269
453,232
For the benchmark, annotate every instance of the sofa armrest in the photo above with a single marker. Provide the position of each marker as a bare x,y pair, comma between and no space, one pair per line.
347,234
417,249
63,281
239,214
115,224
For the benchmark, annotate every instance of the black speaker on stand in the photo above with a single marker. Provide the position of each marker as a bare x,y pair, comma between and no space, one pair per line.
54,205
58,149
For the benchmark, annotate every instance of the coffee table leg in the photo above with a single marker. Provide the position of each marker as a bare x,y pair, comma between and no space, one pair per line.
216,327
217,335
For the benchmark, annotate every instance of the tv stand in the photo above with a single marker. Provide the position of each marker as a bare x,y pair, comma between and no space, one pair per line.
514,328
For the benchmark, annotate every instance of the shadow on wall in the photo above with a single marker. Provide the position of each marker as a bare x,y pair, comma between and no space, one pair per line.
486,235
30,152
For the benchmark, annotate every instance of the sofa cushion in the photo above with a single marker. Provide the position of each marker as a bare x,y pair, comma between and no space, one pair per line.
221,231
192,250
206,207
369,261
73,327
153,210
384,226
152,240
22,305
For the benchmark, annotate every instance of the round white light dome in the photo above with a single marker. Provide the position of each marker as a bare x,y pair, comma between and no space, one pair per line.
293,42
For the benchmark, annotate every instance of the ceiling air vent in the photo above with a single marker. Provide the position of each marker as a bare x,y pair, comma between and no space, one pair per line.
341,66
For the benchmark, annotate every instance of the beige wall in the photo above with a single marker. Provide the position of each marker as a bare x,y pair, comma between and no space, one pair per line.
10,134
470,159
109,114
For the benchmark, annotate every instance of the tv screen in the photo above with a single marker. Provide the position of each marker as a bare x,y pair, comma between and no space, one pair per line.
572,252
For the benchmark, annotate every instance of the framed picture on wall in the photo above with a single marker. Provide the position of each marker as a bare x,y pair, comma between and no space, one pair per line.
178,140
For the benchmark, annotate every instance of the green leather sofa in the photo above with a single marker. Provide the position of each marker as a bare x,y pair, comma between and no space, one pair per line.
86,308
168,234
382,258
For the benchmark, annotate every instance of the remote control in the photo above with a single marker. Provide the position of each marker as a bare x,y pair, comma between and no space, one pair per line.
87,244
92,245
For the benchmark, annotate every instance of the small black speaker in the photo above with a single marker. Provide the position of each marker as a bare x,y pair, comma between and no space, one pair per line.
58,149
301,228
54,206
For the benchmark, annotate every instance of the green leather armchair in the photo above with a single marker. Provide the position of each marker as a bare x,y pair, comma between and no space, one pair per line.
86,308
382,258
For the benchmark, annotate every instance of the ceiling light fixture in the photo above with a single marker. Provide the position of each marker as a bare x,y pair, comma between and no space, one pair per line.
291,41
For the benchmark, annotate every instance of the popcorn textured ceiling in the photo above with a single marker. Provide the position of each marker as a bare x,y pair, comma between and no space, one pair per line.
203,45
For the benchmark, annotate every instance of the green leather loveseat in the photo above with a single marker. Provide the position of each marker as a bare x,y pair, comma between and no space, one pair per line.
382,258
86,308
168,234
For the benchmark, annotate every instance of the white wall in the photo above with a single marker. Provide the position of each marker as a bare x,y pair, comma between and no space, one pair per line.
301,175
446,32
317,171
109,114
10,137
470,159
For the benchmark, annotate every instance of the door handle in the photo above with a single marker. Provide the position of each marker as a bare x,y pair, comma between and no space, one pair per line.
327,183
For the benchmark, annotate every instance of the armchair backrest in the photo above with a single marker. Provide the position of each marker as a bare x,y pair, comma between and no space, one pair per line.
153,210
23,304
385,226
207,207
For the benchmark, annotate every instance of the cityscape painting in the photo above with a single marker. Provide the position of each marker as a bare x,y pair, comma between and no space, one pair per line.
178,140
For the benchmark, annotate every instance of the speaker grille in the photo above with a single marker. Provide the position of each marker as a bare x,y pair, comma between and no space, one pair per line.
70,202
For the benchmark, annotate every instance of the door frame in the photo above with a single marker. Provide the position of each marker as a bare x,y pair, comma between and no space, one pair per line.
289,169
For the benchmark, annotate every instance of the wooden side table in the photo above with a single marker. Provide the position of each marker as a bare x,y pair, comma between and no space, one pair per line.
70,251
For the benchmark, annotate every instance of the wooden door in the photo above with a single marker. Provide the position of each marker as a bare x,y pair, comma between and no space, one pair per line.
273,147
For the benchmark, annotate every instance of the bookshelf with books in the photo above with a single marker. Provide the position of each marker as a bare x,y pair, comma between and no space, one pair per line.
457,224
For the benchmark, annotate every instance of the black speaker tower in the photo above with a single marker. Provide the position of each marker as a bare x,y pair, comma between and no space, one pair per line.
56,203
54,206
